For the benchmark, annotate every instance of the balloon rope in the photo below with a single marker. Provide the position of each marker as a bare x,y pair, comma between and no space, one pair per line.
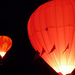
1,60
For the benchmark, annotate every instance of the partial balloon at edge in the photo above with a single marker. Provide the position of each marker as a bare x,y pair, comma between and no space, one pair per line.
51,31
5,45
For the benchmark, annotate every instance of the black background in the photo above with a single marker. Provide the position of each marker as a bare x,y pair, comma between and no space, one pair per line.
18,60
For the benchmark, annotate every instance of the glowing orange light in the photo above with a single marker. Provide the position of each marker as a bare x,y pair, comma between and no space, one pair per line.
2,53
51,30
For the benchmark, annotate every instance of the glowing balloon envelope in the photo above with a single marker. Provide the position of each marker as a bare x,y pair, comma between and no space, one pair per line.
5,44
51,30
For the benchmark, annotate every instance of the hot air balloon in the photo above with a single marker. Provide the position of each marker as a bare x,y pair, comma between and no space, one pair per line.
51,31
5,45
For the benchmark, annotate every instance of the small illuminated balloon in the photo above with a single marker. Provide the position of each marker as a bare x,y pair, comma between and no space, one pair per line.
5,45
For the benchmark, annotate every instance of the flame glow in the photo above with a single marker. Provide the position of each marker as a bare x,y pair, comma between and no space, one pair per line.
66,69
2,53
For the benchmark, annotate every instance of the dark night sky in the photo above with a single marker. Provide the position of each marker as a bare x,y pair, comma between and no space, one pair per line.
18,60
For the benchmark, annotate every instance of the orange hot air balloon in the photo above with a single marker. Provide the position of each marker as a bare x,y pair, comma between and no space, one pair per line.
5,45
51,31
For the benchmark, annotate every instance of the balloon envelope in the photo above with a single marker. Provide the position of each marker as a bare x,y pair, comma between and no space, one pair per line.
51,30
5,44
